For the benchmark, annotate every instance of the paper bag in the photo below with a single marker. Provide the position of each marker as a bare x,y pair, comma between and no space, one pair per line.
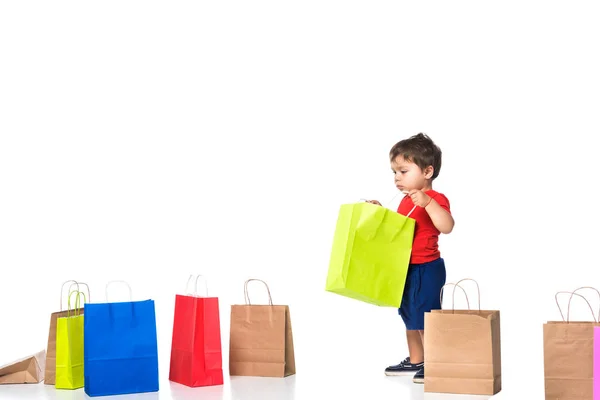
196,358
120,352
569,356
261,340
370,254
50,368
26,370
69,348
596,363
462,351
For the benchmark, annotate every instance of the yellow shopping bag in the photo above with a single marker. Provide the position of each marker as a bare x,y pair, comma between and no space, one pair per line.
69,347
370,254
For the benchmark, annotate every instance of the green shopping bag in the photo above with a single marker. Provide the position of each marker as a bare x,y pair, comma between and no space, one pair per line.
69,347
370,254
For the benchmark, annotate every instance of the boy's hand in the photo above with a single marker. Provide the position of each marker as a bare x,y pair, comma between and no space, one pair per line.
374,202
419,197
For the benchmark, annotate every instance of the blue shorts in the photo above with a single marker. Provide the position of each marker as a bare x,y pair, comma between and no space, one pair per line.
422,292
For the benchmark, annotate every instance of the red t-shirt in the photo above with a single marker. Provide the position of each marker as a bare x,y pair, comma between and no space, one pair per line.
425,242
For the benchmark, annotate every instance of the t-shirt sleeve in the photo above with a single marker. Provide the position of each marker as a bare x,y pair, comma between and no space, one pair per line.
404,207
442,201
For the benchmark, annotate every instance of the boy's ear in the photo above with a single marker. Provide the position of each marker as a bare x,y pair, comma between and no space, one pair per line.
428,172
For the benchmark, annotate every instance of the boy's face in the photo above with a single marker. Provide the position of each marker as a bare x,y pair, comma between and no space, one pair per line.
408,175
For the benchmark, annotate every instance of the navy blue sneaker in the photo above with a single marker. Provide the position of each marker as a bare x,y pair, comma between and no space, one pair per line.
405,367
419,376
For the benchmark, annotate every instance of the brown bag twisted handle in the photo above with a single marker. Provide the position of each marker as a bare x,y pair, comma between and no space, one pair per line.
62,288
572,293
478,292
75,283
247,297
576,290
461,288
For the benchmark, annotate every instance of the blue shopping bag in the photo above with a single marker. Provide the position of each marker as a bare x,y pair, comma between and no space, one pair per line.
120,348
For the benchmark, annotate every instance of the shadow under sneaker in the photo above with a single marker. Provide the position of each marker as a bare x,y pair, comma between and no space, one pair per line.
405,367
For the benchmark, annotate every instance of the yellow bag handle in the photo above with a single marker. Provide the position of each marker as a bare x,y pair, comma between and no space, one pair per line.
77,303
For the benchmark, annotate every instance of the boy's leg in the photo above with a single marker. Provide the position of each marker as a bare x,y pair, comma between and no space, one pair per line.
419,376
433,278
414,362
414,339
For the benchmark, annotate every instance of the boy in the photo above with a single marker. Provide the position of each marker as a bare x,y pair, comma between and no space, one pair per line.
416,162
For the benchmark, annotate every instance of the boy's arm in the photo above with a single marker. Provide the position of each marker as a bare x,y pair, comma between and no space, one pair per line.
441,218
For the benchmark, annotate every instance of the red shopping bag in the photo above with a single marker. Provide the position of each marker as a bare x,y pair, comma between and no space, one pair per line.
196,358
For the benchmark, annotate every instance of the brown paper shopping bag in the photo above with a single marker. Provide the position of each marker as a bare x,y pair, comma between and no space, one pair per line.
568,355
261,342
462,350
50,370
26,370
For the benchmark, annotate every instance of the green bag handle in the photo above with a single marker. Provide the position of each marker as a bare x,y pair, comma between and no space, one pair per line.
196,285
89,297
369,230
392,199
247,297
62,288
75,283
69,309
77,304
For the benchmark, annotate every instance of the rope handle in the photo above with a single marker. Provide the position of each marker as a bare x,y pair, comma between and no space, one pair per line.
247,297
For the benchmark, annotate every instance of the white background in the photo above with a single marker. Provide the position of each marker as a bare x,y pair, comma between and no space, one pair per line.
145,141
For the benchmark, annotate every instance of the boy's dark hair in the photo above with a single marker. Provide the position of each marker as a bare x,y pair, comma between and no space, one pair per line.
420,150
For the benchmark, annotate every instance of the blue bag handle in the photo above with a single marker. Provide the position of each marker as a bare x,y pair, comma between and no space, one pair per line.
111,282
